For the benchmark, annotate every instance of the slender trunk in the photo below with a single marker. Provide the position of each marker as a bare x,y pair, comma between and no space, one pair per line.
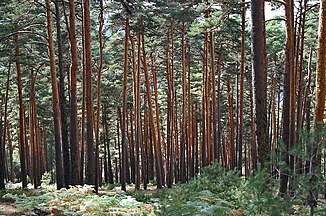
252,150
144,152
214,111
55,100
3,136
107,147
98,105
119,119
138,105
288,115
169,138
32,131
75,172
21,118
184,124
82,150
195,138
45,150
2,155
218,117
204,105
157,110
300,91
231,120
62,100
190,154
124,109
157,147
90,165
11,150
137,136
26,146
320,92
132,149
242,72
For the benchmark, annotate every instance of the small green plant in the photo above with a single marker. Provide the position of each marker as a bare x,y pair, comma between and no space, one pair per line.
46,178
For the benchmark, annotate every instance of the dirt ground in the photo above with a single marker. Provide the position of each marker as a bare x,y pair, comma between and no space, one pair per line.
9,208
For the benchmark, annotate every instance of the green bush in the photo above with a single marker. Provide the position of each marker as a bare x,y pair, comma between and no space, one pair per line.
217,192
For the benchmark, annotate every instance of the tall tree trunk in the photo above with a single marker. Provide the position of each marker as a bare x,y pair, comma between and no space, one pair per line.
190,154
11,150
45,150
2,155
26,147
231,120
90,165
157,146
214,118
157,110
184,125
3,136
289,13
107,146
218,117
252,150
75,172
22,145
170,124
144,152
319,125
82,149
289,98
137,122
98,105
62,100
55,100
300,89
242,72
204,104
259,80
124,110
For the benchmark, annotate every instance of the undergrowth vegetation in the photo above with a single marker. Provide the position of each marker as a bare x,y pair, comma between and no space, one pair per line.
81,201
213,192
216,192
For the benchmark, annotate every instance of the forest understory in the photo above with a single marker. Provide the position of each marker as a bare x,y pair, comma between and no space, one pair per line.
212,193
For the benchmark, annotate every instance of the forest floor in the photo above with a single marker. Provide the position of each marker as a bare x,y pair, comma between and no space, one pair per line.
213,192
9,208
74,201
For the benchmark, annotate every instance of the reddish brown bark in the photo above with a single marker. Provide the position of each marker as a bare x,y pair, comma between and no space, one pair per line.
157,147
55,99
90,165
75,172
